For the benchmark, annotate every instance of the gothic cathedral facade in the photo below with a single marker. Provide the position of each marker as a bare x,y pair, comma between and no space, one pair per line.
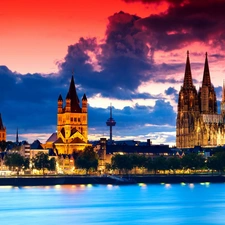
198,122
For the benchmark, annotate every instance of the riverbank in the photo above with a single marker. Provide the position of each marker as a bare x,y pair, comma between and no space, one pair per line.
114,180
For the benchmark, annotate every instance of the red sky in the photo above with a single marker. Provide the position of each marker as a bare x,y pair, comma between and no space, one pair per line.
35,34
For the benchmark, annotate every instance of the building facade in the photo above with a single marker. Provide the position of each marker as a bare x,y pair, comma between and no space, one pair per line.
72,123
2,130
198,122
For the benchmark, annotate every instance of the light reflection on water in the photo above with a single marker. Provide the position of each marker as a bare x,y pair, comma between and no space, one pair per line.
113,205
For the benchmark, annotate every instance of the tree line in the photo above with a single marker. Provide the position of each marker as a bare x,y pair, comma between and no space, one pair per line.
192,161
41,161
88,160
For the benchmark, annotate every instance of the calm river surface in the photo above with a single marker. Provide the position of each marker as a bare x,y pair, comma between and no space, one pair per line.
113,205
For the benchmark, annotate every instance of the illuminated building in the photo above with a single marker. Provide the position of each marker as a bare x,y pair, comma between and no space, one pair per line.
72,124
2,130
198,122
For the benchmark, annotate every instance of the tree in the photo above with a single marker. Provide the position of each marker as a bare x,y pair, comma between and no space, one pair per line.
26,163
52,164
214,163
122,162
193,161
149,164
87,159
160,163
217,162
138,161
174,163
16,161
7,144
41,162
108,166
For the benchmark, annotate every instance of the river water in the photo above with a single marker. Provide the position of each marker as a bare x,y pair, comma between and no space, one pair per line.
113,205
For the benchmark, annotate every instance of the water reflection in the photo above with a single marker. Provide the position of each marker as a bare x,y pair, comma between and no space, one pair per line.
110,204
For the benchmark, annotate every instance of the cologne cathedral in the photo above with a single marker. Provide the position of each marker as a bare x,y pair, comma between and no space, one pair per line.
198,122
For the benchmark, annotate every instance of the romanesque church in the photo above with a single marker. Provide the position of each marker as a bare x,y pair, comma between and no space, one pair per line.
72,124
198,121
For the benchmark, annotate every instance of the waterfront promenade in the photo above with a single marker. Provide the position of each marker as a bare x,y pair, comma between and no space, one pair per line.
116,180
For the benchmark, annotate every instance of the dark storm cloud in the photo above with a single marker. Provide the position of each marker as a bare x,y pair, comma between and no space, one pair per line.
172,2
182,24
142,96
29,101
217,56
28,87
124,59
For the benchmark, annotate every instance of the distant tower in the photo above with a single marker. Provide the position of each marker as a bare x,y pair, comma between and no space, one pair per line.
17,137
2,130
110,123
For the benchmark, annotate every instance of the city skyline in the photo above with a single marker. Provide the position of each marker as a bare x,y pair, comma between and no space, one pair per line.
130,53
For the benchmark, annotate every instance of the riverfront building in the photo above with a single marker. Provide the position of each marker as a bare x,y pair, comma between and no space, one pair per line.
198,121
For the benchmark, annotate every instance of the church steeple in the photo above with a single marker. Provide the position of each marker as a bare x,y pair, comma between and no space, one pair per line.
206,75
17,136
188,109
1,123
207,94
2,130
187,76
72,95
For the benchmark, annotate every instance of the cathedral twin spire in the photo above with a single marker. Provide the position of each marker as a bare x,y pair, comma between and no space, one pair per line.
206,100
188,82
187,76
206,75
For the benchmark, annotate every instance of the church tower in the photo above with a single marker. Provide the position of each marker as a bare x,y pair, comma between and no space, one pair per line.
207,95
2,130
188,110
72,125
